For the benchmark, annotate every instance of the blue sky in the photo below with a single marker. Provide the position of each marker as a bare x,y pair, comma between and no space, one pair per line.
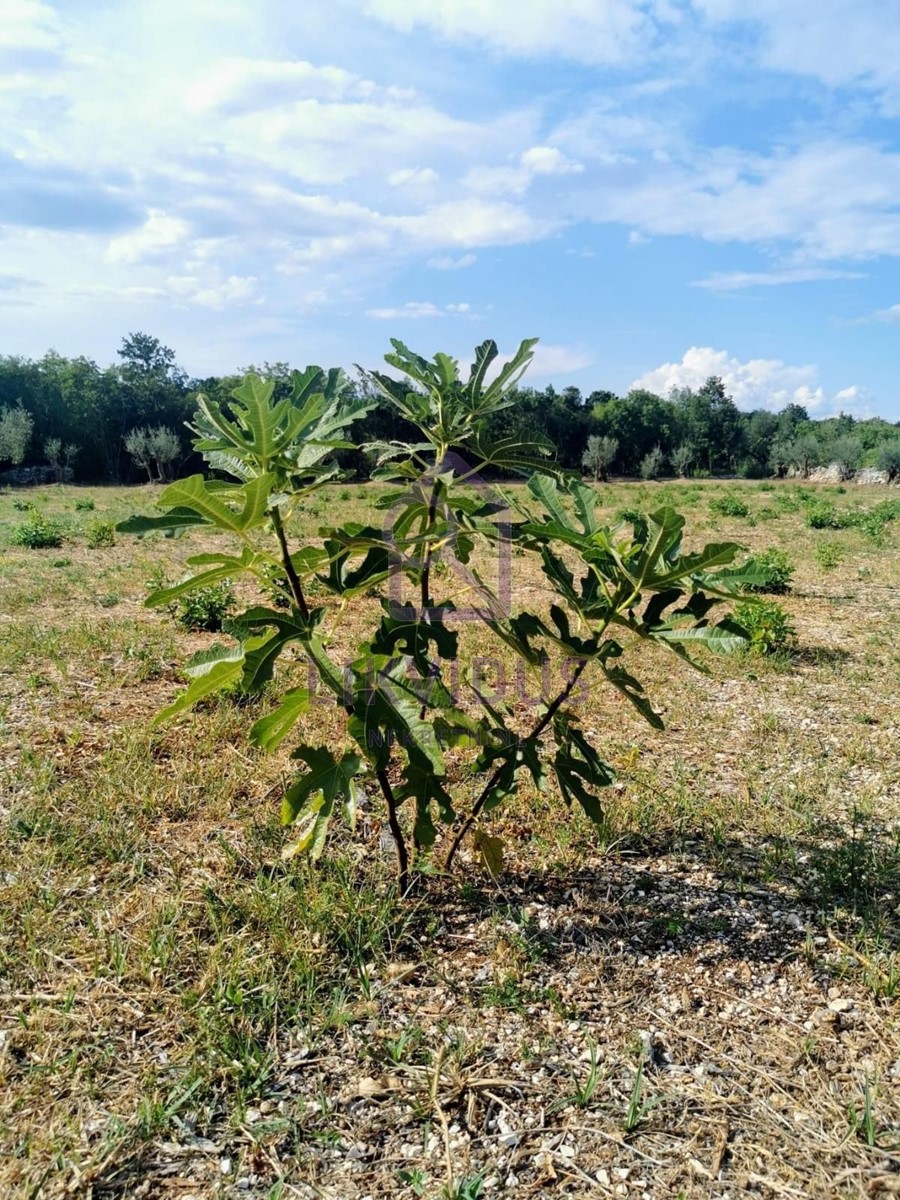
659,189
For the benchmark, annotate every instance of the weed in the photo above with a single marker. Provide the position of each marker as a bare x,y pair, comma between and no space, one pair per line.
775,570
84,504
99,534
470,1188
862,1121
728,506
829,555
638,1106
768,626
206,608
585,1091
38,533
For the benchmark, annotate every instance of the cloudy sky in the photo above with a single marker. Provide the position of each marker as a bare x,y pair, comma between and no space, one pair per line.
659,189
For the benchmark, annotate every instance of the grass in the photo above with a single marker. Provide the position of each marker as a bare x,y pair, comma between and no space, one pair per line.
166,980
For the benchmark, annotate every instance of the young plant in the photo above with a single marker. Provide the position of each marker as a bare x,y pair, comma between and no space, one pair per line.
38,533
768,625
411,690
98,534
776,572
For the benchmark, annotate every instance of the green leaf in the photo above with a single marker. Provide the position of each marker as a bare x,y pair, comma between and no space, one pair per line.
228,568
727,637
270,731
202,496
308,804
172,521
387,702
210,670
425,789
631,689
543,488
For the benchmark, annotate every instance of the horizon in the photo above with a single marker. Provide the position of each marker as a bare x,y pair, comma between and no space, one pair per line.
664,189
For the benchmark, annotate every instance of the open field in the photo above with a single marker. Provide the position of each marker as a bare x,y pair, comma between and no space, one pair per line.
701,1002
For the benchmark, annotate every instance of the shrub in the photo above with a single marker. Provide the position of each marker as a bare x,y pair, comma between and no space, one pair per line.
829,555
98,534
38,533
397,691
23,505
822,515
205,609
768,626
775,570
84,504
728,506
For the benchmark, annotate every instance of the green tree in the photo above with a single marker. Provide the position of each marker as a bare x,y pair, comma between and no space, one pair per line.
846,451
888,459
682,459
15,433
600,455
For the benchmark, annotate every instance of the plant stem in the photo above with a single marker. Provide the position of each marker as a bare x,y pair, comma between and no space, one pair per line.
552,709
289,569
403,880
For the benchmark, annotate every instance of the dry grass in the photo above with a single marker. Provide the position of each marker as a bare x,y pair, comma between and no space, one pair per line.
700,1002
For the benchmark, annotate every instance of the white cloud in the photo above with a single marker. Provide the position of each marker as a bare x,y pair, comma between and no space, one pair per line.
846,42
29,25
159,233
539,160
590,31
241,84
731,281
236,289
547,160
413,177
416,310
889,314
446,262
758,383
550,361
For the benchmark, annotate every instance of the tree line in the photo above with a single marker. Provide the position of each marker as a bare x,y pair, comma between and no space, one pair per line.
126,421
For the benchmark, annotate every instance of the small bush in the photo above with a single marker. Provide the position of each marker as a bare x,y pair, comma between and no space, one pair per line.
829,555
776,570
629,514
728,506
768,514
100,533
768,626
38,533
822,515
206,609
766,487
23,505
85,504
